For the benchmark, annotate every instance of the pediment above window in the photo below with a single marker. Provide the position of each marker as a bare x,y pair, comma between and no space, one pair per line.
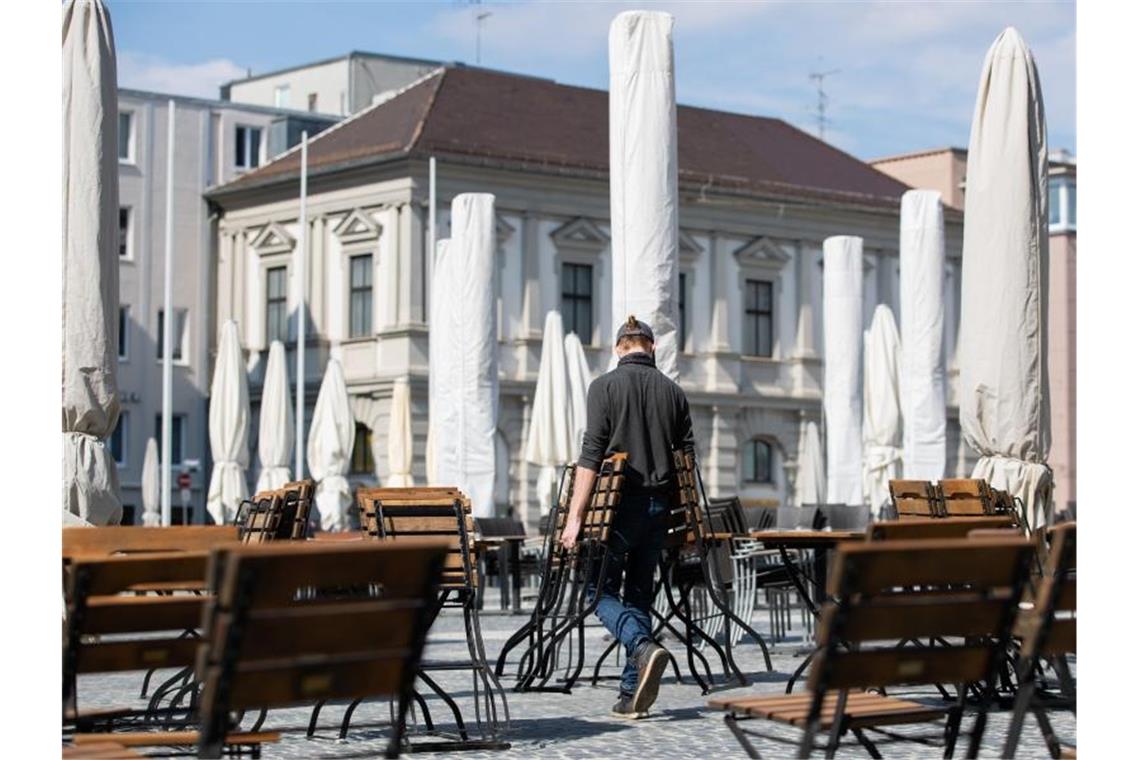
503,230
688,249
762,252
273,238
357,226
580,233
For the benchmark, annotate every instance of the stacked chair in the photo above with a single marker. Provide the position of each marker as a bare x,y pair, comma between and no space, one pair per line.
442,514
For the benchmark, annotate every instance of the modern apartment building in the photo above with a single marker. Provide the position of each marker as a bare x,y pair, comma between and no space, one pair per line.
758,197
341,86
216,142
944,169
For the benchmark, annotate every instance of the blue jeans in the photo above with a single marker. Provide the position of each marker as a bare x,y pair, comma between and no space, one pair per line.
636,538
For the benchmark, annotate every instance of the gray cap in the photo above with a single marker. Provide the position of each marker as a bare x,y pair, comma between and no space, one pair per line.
634,328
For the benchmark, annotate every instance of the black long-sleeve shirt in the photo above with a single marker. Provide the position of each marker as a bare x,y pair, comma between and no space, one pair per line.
635,409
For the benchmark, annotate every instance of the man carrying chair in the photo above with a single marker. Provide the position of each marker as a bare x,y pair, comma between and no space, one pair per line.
633,409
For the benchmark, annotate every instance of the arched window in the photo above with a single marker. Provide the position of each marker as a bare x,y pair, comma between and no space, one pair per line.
758,461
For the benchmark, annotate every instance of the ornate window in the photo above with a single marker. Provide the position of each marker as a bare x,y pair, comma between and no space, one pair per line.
757,461
276,304
360,296
578,300
362,462
757,318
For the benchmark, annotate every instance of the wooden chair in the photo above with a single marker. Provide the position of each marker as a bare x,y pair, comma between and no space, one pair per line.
123,539
966,497
443,514
1048,633
277,515
947,527
109,628
884,592
293,623
915,498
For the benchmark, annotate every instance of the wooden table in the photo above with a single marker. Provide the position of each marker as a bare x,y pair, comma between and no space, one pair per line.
820,542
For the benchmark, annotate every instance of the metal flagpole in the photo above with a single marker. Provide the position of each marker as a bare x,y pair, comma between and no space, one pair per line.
303,255
431,222
168,316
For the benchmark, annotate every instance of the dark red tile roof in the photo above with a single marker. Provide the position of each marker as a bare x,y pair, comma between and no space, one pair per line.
542,124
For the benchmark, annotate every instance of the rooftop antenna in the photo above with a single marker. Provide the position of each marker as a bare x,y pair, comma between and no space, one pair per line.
479,19
821,119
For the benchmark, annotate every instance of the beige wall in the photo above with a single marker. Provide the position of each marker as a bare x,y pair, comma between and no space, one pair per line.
328,81
943,171
1063,364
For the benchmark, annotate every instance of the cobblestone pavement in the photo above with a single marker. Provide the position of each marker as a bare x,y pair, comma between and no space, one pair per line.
579,724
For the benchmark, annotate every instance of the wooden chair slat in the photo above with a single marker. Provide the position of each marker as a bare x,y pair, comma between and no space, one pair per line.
122,539
933,528
939,617
911,665
870,568
144,654
112,614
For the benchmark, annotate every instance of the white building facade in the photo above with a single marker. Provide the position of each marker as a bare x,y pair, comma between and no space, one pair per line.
215,142
750,264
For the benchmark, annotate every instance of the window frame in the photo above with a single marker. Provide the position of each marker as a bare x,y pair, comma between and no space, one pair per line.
285,89
271,300
754,314
367,291
131,122
751,450
182,345
124,347
682,307
362,455
121,428
1066,188
577,298
178,421
126,237
247,129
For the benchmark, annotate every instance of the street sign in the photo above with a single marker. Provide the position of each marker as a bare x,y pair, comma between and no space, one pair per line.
184,481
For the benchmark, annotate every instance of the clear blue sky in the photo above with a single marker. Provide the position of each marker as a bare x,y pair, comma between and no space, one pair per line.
907,78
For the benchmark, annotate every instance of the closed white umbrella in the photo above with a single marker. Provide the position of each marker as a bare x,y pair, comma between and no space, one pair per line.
229,428
151,485
643,178
922,366
467,381
400,437
882,417
1004,379
811,482
843,368
578,370
437,334
275,428
90,263
329,449
548,443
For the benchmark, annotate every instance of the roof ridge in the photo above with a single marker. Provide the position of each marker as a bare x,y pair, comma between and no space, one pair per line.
419,130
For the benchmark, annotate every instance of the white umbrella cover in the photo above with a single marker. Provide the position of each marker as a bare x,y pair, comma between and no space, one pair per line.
90,263
811,482
467,387
922,367
580,378
437,334
400,437
882,417
229,428
548,442
151,485
643,178
843,368
275,427
329,449
1004,378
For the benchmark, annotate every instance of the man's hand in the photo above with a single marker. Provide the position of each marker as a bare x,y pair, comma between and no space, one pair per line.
570,531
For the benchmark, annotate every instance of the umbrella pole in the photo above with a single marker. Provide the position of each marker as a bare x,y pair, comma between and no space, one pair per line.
167,317
299,437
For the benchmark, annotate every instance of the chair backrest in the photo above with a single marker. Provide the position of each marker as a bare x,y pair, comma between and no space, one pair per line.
686,521
915,498
298,507
727,516
884,592
845,516
1055,603
806,517
400,514
296,622
499,527
129,539
963,497
603,504
260,517
109,627
934,528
